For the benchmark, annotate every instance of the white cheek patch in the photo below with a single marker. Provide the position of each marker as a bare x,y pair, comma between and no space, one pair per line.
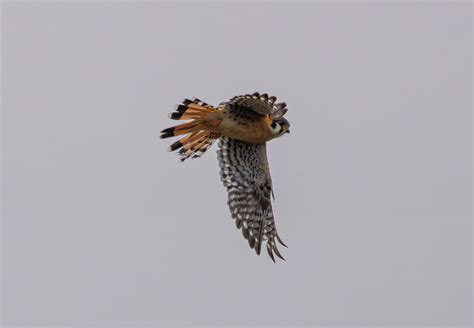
277,129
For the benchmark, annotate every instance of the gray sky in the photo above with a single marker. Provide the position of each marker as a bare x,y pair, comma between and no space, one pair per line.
102,226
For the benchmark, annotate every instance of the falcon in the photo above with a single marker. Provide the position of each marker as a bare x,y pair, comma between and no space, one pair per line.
243,125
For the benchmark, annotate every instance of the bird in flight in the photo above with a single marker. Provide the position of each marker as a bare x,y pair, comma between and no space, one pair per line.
243,125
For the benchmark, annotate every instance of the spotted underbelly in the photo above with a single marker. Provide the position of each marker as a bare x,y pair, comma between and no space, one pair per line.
252,131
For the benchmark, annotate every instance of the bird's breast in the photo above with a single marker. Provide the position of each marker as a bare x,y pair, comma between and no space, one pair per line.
252,130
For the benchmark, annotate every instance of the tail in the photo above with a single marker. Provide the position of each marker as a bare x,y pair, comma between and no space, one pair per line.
198,137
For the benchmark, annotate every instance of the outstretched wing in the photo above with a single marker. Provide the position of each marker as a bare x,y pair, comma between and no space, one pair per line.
260,104
245,173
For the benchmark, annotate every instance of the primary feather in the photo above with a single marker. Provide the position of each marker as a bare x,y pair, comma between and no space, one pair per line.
245,173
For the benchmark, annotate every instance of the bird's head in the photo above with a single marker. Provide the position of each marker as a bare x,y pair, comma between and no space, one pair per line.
280,126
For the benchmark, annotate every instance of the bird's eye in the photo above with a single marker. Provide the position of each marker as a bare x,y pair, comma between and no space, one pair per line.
276,128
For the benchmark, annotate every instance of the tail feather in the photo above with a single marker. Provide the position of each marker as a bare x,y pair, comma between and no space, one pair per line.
179,129
198,137
192,147
191,109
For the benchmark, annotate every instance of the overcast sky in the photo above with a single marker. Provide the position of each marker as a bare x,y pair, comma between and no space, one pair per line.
102,226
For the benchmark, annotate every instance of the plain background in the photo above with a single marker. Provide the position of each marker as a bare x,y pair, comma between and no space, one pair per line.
103,227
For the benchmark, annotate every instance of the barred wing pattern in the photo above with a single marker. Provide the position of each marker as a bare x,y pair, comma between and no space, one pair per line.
261,104
245,173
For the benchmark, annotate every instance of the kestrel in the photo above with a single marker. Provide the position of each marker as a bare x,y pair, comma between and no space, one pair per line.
243,126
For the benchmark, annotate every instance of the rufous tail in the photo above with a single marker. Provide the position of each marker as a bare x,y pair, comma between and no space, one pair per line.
198,137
